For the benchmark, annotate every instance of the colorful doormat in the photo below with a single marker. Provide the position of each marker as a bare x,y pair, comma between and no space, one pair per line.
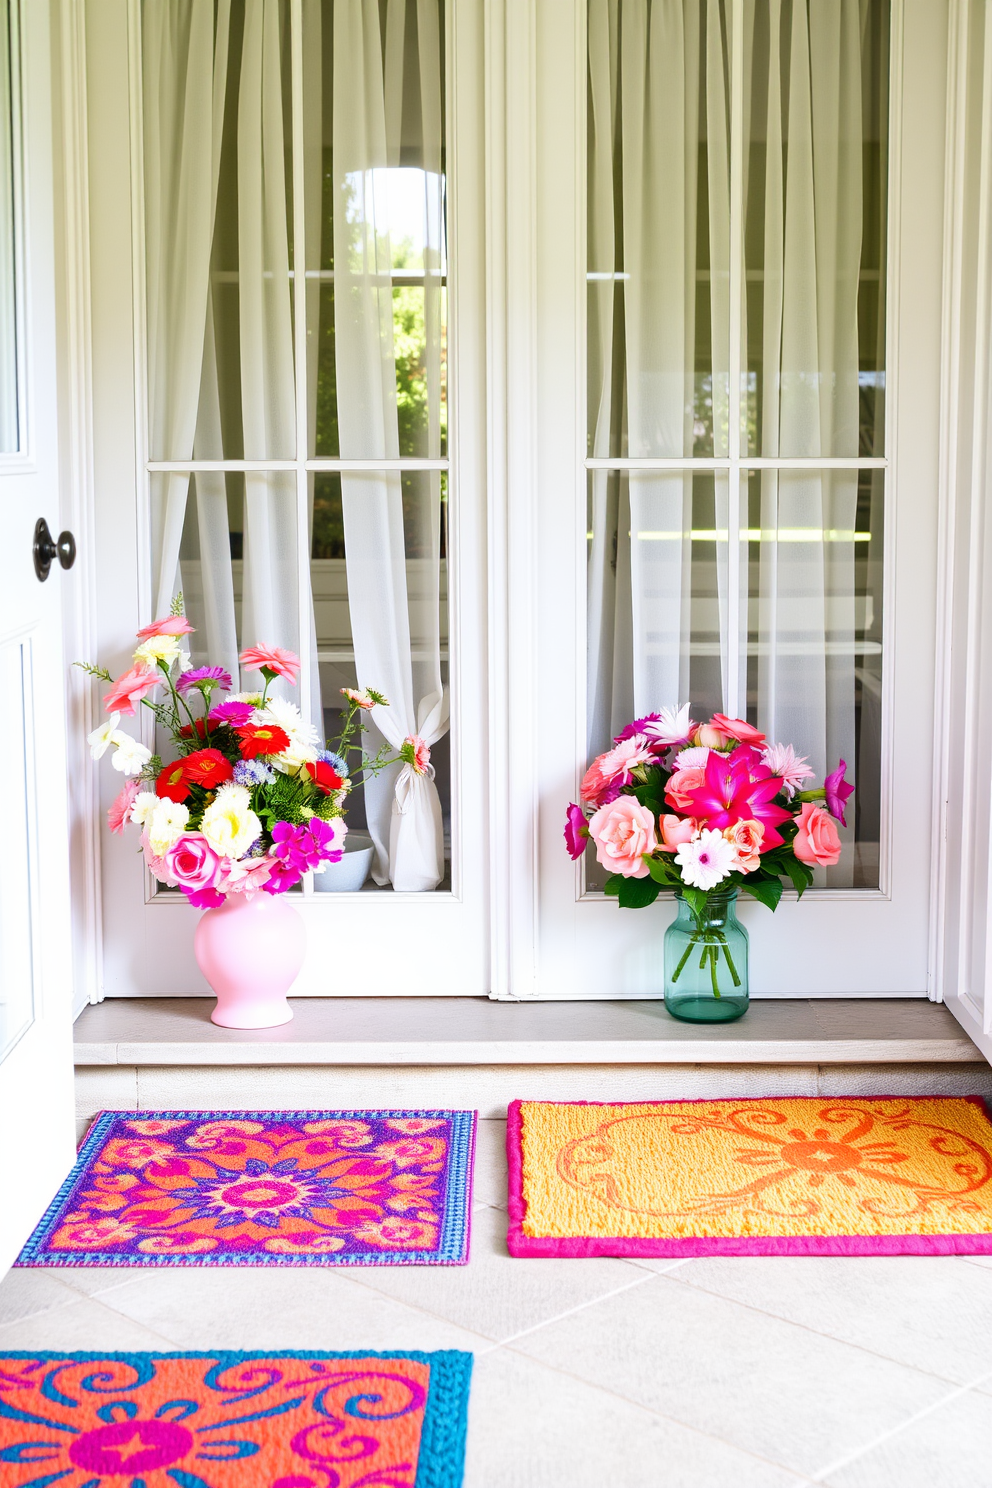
231,1420
264,1188
781,1176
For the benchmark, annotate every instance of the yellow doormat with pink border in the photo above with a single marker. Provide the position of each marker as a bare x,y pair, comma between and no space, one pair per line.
785,1175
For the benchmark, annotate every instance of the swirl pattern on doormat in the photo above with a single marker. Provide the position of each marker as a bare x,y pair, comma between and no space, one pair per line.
248,1188
781,1175
234,1420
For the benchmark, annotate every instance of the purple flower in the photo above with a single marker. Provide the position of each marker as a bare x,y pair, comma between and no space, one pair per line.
637,727
253,772
236,715
206,678
576,831
837,790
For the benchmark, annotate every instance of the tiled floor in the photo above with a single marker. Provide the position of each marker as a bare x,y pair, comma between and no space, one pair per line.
751,1373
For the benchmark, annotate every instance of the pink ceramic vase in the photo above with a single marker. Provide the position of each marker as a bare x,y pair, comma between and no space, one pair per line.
250,949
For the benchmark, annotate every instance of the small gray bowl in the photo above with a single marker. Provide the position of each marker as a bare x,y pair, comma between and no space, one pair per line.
347,875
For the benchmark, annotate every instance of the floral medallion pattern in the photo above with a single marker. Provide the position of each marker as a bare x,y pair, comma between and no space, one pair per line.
779,1169
251,1188
232,1420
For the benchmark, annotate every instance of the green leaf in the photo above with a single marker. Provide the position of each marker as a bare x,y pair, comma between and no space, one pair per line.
664,871
635,893
696,900
800,874
767,891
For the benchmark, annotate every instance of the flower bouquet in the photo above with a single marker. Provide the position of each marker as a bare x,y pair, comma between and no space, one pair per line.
706,810
247,805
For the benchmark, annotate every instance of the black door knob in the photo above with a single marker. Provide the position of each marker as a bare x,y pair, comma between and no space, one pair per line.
46,550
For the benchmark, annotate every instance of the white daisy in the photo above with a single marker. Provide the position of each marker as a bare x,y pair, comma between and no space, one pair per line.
706,860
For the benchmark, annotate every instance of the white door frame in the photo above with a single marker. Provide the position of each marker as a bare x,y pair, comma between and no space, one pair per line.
961,910
559,941
376,944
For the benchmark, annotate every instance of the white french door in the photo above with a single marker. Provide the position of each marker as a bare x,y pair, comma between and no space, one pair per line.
35,960
738,483
307,474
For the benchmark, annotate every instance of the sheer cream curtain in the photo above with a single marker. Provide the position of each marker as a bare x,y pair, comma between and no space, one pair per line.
396,636
188,70
659,90
184,60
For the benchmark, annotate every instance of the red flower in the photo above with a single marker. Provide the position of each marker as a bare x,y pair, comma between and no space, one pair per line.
186,732
261,738
172,783
208,768
737,788
325,777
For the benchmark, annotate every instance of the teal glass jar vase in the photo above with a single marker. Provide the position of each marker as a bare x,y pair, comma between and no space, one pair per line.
706,961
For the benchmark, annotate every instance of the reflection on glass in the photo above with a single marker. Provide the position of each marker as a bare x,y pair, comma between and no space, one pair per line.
218,228
814,654
16,969
419,499
657,543
377,290
815,228
9,431
658,261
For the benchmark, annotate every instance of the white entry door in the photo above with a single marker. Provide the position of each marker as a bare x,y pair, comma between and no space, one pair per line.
36,1116
725,432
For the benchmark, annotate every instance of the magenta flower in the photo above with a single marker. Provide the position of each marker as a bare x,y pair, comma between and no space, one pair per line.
297,849
205,898
234,714
206,676
837,791
735,788
576,831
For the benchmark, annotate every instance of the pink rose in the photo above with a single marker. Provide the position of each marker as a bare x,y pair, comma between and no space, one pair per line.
175,625
737,728
119,813
192,862
623,832
679,786
614,768
746,837
817,841
677,829
130,689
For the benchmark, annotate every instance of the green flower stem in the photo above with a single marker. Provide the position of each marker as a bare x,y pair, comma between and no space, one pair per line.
730,960
685,956
713,959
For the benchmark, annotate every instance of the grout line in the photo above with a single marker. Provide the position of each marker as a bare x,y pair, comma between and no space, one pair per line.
799,1481
71,1296
884,1436
816,1332
571,1311
76,1298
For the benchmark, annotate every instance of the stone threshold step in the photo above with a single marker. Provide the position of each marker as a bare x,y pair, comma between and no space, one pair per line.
461,1031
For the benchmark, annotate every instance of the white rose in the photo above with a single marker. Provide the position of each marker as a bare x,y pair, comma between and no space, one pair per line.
158,648
101,738
229,824
166,825
130,757
145,803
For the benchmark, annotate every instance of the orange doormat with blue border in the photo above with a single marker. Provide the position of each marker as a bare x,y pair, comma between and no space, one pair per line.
784,1175
234,1420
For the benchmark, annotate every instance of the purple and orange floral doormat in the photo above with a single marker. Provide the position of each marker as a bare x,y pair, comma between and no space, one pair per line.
264,1188
232,1420
781,1176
